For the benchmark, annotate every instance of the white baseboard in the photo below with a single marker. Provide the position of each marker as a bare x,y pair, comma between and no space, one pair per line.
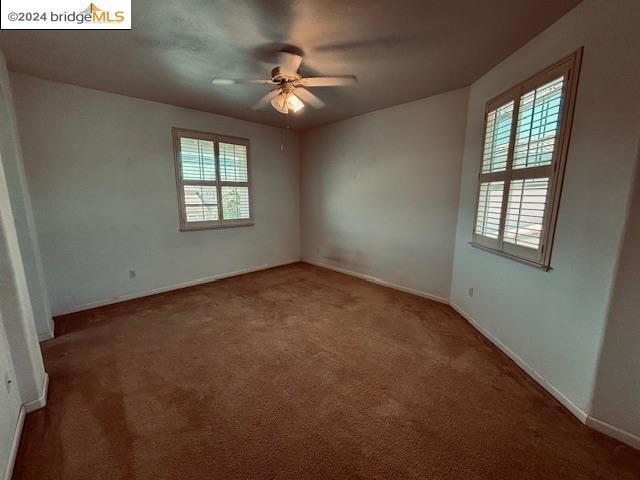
44,336
615,432
25,408
603,427
41,401
169,288
579,413
544,383
377,281
15,443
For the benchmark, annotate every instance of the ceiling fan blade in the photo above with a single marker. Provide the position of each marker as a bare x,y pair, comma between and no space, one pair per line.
337,81
289,62
237,81
264,101
308,97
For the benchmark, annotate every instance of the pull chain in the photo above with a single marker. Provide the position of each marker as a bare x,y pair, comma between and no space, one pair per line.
283,132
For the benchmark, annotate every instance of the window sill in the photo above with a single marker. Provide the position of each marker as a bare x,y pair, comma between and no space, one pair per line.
525,261
189,228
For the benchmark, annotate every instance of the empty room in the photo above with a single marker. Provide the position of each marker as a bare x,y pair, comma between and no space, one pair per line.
330,239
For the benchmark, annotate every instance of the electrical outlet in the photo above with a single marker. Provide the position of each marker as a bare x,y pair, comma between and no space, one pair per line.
317,250
8,381
471,292
132,274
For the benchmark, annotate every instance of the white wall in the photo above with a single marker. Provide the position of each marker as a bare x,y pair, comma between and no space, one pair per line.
554,321
9,407
101,175
10,150
616,399
20,358
380,195
380,192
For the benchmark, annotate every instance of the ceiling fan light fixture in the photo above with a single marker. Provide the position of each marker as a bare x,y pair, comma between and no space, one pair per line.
279,102
287,79
285,102
294,103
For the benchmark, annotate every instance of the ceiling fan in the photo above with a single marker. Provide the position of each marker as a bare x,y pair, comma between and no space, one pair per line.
288,81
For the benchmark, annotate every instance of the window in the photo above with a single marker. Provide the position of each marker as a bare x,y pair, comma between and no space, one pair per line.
526,137
212,175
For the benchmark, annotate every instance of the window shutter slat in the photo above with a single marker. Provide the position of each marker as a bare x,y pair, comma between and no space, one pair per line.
201,213
233,162
197,159
235,203
489,209
538,125
201,203
526,211
496,139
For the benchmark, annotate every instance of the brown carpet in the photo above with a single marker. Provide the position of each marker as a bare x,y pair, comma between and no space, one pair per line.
297,372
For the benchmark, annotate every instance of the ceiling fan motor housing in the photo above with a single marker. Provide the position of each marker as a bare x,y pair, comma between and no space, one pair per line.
277,75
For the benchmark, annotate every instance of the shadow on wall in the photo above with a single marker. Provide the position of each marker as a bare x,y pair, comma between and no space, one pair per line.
348,259
616,396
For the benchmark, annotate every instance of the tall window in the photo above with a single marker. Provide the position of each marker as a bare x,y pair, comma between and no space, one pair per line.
212,175
526,137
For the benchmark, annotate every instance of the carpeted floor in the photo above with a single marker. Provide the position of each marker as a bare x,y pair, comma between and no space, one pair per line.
300,373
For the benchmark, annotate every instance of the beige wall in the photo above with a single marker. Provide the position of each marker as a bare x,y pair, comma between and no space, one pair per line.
380,192
101,174
554,321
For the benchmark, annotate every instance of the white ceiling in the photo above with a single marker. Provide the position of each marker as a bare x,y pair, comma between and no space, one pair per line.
400,50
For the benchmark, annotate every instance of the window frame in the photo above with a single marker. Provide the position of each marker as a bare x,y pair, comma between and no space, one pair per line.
185,226
568,66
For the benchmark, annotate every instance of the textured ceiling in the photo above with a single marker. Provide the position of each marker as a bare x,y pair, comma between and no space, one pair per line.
400,50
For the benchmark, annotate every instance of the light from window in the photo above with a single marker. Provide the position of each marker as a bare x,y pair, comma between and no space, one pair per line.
523,164
213,180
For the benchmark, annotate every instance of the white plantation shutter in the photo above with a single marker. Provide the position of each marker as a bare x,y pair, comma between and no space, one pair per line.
235,203
233,162
496,139
234,180
538,125
523,164
525,212
212,175
201,203
197,159
489,209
